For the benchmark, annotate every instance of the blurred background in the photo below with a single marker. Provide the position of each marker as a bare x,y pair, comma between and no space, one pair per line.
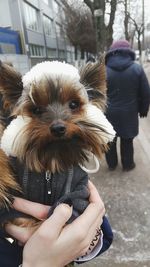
71,31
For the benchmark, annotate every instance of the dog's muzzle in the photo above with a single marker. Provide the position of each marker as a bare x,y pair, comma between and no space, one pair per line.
58,129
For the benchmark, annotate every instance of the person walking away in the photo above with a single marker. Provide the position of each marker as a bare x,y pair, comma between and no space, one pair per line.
128,98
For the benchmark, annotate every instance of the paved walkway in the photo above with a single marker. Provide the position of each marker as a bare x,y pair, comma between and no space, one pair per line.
127,200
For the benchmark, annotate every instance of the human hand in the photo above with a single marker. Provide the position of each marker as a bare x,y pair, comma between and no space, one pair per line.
70,241
36,210
143,115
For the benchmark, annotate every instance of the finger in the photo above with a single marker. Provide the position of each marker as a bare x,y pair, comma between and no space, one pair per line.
93,229
82,229
94,195
74,235
36,210
92,232
89,216
60,216
92,238
22,234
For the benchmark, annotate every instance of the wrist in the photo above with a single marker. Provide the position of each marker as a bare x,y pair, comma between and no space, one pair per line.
25,264
94,248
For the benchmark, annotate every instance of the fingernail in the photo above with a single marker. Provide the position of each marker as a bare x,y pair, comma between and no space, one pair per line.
51,210
68,202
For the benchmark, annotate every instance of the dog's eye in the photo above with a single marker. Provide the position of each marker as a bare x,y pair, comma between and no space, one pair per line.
74,104
37,110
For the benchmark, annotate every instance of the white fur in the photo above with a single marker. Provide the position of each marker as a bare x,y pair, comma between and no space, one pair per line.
96,116
50,69
11,133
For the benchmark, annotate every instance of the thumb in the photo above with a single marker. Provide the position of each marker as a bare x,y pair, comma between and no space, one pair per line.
63,211
57,220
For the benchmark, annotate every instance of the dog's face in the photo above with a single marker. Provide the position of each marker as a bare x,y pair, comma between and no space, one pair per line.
55,124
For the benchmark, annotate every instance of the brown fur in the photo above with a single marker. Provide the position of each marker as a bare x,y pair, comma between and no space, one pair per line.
94,75
10,90
36,145
7,180
10,86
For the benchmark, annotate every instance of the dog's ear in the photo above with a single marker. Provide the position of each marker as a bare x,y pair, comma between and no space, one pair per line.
93,77
10,86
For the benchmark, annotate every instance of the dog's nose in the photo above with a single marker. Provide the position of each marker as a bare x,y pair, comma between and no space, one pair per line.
58,129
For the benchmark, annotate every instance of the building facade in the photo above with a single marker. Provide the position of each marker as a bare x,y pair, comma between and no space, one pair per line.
40,27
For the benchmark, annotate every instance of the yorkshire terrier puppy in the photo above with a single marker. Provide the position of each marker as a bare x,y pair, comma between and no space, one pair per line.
53,120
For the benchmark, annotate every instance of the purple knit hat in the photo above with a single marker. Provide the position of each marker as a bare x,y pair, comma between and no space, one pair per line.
120,44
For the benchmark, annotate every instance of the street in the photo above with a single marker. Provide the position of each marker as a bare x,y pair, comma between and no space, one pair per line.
127,200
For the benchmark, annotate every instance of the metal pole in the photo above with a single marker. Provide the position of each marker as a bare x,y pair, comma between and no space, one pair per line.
143,21
99,7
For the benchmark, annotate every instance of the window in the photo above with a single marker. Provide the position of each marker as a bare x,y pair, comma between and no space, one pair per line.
31,17
62,54
59,30
48,25
36,50
51,53
69,56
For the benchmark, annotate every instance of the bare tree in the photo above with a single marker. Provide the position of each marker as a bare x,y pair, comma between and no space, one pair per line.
126,21
104,31
79,26
133,24
109,28
138,32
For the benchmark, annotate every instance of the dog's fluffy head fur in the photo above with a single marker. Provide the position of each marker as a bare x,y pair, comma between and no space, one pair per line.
58,114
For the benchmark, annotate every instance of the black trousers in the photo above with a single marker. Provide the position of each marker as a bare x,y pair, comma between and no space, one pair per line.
126,153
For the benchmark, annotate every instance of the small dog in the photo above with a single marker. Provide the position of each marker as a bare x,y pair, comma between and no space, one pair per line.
53,120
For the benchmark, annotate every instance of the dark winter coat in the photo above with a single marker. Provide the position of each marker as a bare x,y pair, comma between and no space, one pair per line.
128,92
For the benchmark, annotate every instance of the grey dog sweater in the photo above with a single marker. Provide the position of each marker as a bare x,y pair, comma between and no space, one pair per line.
50,189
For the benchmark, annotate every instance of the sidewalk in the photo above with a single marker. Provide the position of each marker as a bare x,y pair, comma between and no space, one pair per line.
127,199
